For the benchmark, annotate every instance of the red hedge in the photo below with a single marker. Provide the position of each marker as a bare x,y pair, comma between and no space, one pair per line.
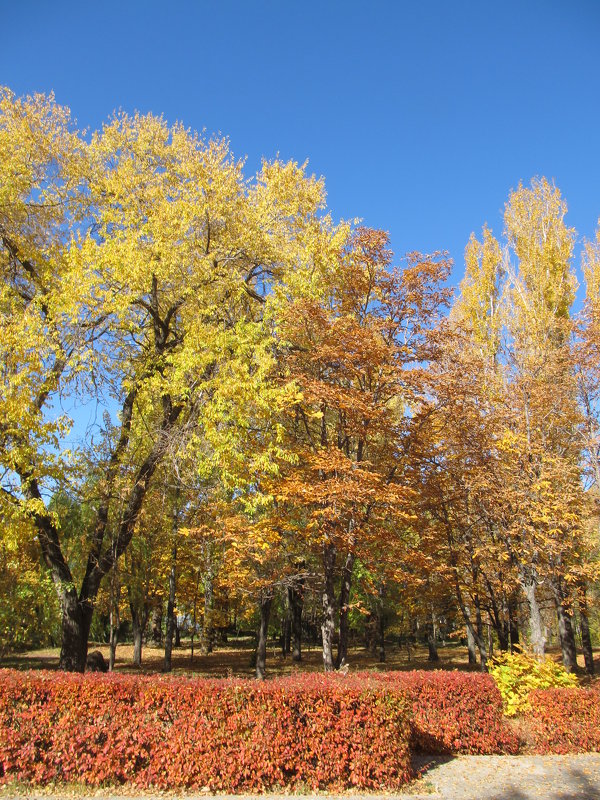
454,712
311,731
565,720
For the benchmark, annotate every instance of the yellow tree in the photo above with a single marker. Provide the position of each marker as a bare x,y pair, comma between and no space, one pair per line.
133,266
510,384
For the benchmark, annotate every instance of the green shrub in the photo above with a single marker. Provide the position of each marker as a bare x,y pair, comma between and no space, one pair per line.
518,674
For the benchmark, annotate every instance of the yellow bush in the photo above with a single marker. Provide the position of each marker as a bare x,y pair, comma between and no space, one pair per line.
518,674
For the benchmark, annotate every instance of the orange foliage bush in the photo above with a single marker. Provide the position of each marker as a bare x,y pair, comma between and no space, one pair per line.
454,712
312,731
565,720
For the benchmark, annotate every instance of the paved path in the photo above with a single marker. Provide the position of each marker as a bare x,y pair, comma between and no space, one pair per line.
572,777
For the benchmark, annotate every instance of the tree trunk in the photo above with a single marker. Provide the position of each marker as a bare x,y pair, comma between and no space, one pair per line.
138,625
286,625
296,599
565,628
381,620
346,584
206,639
471,644
115,619
157,615
537,631
431,639
76,622
586,640
171,621
328,624
513,626
263,632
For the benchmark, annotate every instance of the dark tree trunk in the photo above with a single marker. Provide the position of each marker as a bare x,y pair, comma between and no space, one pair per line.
286,625
157,615
431,639
565,628
513,626
346,585
471,644
296,599
206,640
138,627
381,621
567,638
171,621
115,617
261,648
586,640
76,622
328,624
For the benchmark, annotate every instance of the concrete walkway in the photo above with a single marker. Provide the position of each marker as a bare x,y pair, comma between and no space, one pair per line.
571,777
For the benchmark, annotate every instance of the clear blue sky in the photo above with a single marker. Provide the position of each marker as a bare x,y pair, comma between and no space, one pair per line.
421,115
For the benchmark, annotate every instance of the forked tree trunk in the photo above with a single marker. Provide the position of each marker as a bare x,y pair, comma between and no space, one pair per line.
261,648
328,599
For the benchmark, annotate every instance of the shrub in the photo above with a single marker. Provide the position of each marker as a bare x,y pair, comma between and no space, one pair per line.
454,712
312,732
518,674
565,720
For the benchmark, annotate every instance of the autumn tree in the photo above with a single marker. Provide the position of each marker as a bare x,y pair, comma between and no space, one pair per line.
128,262
350,354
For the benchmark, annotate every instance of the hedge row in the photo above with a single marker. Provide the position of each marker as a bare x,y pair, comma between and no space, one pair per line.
564,720
454,712
312,731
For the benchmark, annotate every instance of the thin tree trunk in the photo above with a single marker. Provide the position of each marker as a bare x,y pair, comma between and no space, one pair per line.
263,632
171,621
286,625
157,615
137,628
513,626
431,638
586,639
328,599
381,620
115,619
296,598
346,584
471,644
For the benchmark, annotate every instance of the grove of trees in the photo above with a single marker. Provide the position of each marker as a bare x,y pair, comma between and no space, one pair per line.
216,401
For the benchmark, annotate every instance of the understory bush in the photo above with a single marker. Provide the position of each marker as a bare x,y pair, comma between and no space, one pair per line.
519,674
310,731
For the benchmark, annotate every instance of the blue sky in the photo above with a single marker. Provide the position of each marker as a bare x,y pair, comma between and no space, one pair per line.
421,115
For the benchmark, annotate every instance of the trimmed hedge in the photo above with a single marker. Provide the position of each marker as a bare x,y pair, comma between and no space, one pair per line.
311,731
564,720
454,712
